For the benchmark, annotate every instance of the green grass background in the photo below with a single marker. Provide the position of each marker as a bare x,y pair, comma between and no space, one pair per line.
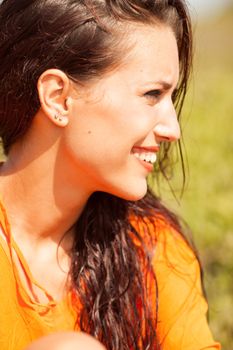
207,204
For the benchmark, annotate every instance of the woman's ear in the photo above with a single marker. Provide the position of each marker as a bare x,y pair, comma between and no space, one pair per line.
53,90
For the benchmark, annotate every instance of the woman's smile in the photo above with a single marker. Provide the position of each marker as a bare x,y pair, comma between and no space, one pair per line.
147,156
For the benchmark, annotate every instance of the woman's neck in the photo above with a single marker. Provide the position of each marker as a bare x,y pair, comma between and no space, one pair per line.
39,195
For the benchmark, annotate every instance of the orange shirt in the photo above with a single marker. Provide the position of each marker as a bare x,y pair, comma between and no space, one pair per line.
182,323
182,309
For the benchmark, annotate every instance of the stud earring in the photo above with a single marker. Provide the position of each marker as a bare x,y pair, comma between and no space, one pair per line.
60,120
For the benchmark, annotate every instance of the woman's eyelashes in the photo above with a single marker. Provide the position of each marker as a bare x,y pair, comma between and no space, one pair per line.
153,94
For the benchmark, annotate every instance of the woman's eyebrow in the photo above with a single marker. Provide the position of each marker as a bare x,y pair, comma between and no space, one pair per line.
166,85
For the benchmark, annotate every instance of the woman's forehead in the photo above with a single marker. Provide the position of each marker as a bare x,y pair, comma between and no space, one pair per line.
153,54
152,60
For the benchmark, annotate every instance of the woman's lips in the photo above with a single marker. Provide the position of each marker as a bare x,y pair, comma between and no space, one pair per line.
146,156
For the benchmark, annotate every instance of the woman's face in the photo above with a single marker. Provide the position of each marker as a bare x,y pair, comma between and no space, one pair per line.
118,122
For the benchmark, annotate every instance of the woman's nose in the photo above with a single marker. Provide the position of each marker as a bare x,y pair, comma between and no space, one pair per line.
167,129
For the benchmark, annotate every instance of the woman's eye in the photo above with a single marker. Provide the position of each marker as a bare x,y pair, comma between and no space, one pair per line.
153,94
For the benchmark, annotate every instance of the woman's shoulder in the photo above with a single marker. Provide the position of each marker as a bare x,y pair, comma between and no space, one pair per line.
163,239
182,306
173,260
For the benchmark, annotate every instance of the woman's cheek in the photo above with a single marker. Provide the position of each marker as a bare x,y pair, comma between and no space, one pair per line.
143,123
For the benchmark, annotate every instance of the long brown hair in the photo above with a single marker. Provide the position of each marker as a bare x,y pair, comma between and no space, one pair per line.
109,271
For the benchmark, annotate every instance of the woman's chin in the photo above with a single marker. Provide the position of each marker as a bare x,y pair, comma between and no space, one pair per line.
133,194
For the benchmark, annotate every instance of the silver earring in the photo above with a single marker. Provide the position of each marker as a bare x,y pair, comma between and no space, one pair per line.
61,120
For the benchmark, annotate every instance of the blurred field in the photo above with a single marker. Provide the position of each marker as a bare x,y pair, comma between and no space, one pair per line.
207,204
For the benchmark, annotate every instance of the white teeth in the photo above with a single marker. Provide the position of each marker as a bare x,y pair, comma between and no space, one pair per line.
146,157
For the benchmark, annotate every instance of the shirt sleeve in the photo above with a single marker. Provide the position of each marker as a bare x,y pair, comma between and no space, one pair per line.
182,323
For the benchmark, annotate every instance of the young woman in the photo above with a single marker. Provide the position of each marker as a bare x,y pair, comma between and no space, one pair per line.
86,109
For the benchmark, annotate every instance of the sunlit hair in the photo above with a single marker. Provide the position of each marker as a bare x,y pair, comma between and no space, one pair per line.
111,269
